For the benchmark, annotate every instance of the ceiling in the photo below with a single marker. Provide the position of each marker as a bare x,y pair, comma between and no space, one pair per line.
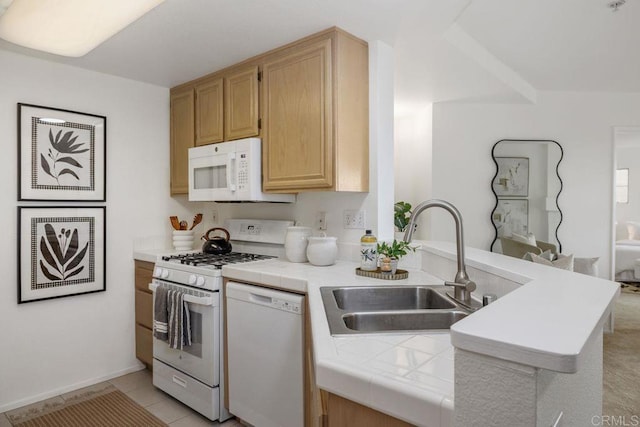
452,50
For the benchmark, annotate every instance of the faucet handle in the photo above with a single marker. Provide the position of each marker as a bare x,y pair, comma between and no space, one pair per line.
468,285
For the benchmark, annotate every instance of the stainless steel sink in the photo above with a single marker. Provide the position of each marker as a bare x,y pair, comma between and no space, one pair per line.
390,298
377,309
401,321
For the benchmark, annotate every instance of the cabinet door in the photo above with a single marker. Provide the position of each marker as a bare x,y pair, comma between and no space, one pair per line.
297,110
144,312
209,114
181,139
241,104
144,345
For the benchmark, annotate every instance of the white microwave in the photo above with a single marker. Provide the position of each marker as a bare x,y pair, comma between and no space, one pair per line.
229,172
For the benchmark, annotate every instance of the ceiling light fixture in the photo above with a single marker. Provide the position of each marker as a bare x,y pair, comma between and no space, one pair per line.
615,4
69,27
4,5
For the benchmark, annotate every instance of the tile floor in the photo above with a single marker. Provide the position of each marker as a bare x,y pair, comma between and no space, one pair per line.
138,386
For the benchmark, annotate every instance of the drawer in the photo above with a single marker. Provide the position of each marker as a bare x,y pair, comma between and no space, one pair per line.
144,309
144,345
188,390
144,274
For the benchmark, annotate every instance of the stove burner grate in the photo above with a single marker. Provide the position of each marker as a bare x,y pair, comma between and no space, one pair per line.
217,261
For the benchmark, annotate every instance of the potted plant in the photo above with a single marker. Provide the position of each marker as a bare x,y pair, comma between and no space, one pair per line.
401,216
391,253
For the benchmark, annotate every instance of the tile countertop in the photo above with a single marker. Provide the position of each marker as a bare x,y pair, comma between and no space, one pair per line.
544,324
407,376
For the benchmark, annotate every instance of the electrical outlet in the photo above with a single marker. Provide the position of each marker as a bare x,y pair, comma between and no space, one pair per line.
354,219
321,221
214,216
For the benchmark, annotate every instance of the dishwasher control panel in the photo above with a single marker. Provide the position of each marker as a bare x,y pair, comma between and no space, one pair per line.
286,305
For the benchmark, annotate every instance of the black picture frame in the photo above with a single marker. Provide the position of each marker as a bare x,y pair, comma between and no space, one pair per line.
61,251
62,155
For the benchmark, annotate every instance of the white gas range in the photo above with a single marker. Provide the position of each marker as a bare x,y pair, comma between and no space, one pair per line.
194,375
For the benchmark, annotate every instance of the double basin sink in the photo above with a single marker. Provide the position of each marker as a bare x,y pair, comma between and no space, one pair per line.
359,310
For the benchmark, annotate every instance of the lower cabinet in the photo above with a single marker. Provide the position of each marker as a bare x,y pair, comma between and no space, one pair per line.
344,412
144,312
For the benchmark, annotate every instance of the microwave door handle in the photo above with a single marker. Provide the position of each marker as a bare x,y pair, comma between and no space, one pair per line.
231,170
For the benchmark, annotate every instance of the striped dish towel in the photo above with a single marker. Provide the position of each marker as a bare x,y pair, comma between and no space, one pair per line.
160,313
179,324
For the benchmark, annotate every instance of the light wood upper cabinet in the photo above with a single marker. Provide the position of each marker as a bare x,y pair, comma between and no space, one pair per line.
314,102
241,104
315,108
297,115
181,138
209,112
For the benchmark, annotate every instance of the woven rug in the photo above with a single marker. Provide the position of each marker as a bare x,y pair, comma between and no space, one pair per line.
106,408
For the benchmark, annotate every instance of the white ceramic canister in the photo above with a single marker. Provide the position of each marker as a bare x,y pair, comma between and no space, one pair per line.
183,240
322,250
295,243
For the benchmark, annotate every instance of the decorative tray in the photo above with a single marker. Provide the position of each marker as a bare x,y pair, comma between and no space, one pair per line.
400,274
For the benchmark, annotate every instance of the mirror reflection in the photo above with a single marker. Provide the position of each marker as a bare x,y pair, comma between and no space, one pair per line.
526,186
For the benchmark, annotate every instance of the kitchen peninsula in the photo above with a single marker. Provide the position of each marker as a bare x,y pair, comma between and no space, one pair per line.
538,333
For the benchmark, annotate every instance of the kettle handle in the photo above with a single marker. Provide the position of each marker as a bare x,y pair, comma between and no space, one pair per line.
206,235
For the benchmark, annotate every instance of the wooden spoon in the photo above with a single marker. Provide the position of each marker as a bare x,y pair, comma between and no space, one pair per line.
174,222
197,219
183,225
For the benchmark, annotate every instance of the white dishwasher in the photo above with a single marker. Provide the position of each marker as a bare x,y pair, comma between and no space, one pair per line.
265,345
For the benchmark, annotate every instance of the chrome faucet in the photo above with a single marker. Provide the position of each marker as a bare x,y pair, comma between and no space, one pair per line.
462,285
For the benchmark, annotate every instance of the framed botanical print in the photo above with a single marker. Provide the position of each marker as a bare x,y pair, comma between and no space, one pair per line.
511,216
61,154
61,251
512,179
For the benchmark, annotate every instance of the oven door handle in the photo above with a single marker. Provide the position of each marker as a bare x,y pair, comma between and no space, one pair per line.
206,301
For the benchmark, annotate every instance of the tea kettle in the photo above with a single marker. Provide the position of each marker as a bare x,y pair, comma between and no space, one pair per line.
216,245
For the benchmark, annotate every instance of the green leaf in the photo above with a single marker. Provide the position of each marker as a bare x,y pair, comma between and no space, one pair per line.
69,172
47,273
70,160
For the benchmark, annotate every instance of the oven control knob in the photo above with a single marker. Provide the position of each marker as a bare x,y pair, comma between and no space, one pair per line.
192,279
157,272
200,281
165,273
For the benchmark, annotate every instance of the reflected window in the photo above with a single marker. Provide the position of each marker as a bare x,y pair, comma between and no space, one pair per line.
622,186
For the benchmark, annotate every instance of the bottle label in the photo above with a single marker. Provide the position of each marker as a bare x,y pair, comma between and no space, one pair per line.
368,256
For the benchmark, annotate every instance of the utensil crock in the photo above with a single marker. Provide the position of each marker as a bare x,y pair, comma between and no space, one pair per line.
295,243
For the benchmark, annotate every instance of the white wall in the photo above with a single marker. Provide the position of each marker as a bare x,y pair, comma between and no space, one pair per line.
413,161
53,346
580,122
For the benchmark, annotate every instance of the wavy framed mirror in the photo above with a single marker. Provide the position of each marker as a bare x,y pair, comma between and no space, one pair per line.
526,187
